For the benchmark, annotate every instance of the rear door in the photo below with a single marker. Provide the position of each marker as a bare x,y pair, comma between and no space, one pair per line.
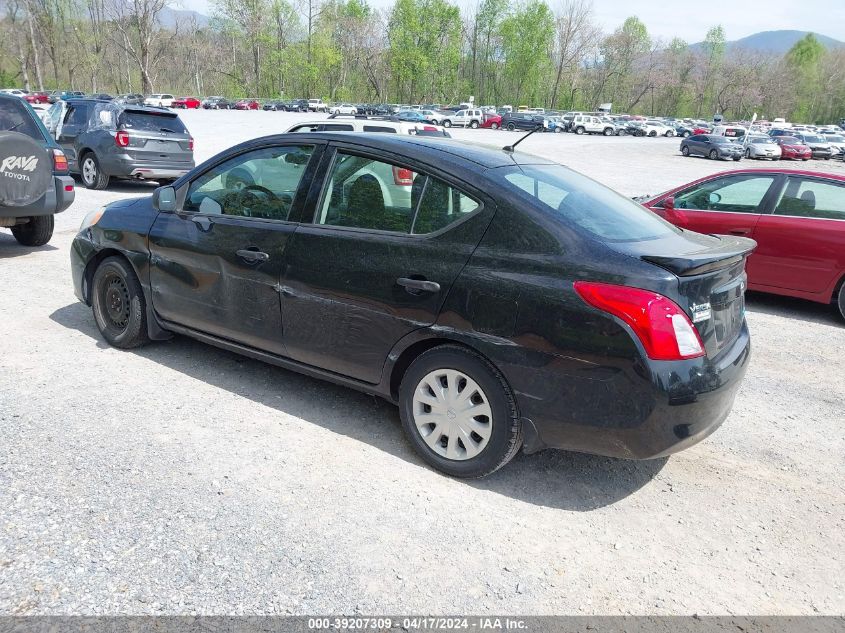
386,242
156,137
215,264
73,123
801,246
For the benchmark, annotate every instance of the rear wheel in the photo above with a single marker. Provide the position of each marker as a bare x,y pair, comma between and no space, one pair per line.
511,127
36,232
474,125
558,130
608,131
92,176
842,299
118,304
459,412
748,153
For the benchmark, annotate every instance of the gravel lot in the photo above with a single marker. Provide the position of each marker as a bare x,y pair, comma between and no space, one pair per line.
183,479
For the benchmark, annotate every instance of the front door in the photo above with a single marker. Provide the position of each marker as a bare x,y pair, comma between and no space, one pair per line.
216,262
377,261
73,121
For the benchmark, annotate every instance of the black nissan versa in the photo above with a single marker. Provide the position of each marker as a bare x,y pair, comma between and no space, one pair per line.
501,300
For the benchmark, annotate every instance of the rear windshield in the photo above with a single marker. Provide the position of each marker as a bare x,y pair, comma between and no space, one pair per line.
16,117
718,139
577,199
151,122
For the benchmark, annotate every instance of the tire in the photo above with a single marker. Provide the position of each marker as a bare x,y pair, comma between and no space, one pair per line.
579,130
685,150
447,123
622,132
494,126
92,176
36,232
473,125
687,134
511,127
841,301
652,133
118,304
608,131
502,425
558,130
713,155
747,153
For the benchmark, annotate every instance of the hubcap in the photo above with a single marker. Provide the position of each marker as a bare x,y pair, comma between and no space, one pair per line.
116,301
452,414
89,170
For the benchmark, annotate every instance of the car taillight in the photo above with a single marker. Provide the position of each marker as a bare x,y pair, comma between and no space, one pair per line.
191,144
402,176
59,161
661,325
122,139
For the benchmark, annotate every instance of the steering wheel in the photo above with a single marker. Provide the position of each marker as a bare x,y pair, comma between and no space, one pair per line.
259,188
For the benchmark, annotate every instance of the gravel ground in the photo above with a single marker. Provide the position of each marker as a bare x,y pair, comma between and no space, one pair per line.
183,479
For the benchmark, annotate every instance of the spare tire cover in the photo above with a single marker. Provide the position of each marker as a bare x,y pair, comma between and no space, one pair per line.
26,170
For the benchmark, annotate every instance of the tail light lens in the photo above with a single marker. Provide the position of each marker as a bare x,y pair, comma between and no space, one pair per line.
122,139
402,176
191,144
661,325
59,161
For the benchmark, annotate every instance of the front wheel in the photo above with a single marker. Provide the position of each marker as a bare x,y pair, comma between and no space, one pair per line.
494,126
447,123
36,232
459,412
713,154
579,130
118,304
748,153
685,150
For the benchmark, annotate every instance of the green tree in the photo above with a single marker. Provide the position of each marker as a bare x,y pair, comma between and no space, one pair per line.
805,60
527,37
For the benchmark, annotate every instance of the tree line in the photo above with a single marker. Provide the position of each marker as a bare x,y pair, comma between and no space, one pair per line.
519,52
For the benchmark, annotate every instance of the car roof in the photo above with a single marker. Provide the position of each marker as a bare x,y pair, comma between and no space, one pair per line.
429,149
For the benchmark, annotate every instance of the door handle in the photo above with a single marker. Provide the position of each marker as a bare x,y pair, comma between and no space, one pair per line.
418,285
252,255
202,222
740,231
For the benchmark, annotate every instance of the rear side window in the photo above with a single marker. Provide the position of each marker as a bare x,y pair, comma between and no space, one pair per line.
15,117
379,128
439,205
578,200
337,127
150,122
812,199
733,194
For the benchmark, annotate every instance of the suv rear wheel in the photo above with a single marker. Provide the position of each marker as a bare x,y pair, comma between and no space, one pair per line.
92,176
511,127
459,412
118,304
36,232
608,131
473,125
842,299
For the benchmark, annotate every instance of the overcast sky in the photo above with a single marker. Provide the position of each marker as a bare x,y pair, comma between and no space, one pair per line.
690,19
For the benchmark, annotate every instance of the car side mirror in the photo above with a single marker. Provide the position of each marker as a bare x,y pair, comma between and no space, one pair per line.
714,198
164,199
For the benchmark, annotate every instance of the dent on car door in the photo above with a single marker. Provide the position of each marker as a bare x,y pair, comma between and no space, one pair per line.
377,260
801,245
216,262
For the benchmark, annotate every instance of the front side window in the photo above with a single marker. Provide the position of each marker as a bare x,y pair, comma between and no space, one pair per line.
812,198
735,194
258,184
578,200
15,117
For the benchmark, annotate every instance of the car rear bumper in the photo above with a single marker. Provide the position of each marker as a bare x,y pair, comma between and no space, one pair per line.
645,411
126,167
56,200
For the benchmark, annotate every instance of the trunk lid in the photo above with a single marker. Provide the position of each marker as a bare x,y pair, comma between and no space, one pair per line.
711,280
156,137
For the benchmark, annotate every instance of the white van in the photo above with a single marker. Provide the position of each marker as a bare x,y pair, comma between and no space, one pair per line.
736,132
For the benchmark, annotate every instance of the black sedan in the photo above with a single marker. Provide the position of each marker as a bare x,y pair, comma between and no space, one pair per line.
501,300
711,146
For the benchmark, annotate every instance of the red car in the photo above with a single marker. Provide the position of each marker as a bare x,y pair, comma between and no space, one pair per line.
792,148
796,217
187,103
492,121
247,104
37,97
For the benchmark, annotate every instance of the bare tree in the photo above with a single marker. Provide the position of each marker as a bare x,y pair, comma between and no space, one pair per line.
576,35
138,33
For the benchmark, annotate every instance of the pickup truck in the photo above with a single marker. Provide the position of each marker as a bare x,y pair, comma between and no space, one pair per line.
317,105
34,179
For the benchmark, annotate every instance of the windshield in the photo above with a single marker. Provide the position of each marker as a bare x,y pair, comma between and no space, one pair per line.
151,121
579,200
809,138
762,141
789,140
833,138
718,139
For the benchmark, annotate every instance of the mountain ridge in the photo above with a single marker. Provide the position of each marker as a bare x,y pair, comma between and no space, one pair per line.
778,42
